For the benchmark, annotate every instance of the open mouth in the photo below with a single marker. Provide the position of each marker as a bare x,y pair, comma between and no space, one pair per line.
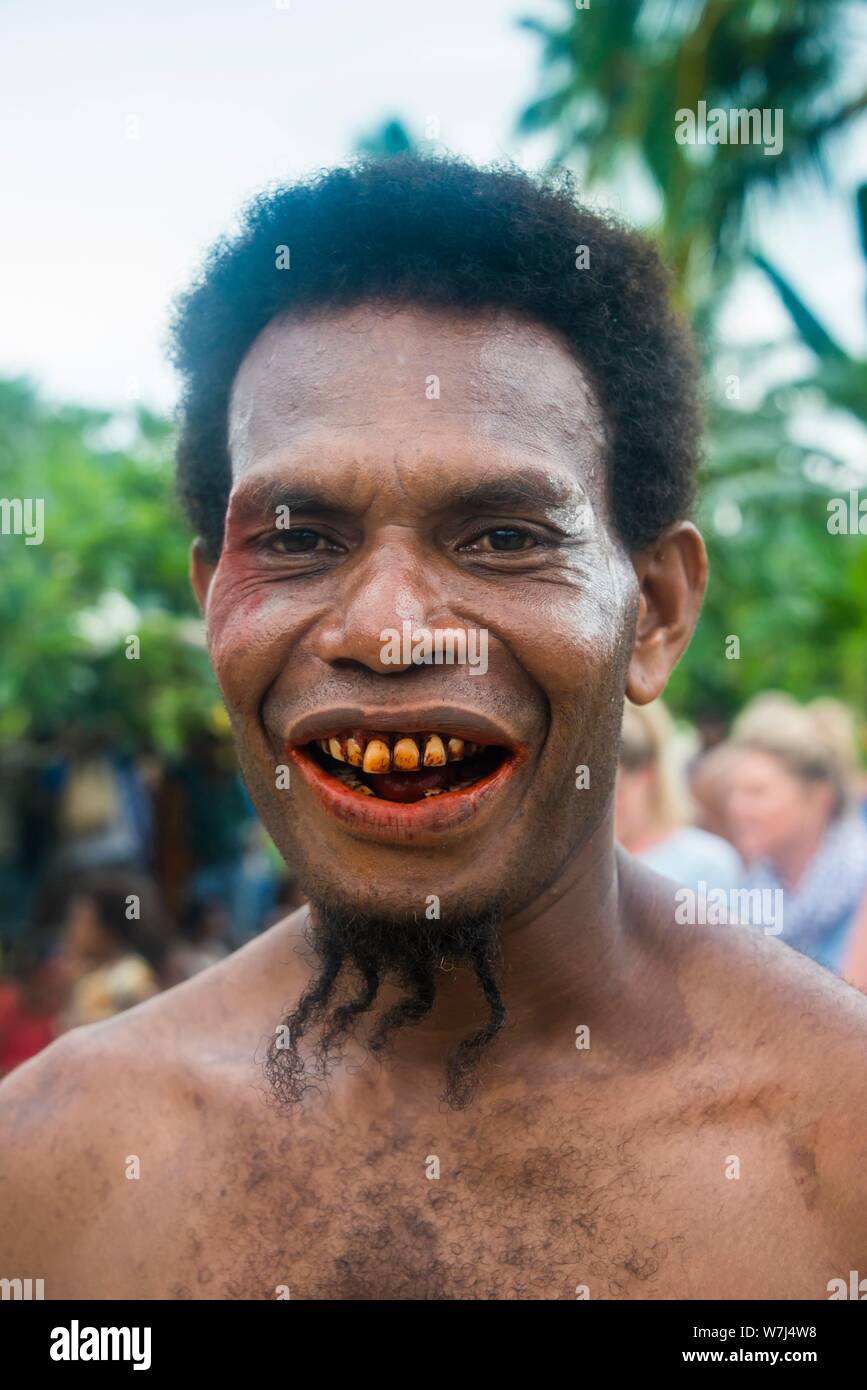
405,767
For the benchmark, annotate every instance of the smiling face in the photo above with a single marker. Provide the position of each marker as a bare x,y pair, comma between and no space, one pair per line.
443,472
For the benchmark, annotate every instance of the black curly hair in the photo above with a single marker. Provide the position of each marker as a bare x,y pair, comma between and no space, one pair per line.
441,232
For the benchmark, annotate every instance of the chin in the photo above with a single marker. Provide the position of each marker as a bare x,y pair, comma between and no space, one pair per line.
422,902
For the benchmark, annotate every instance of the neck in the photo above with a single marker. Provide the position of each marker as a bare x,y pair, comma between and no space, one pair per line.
564,964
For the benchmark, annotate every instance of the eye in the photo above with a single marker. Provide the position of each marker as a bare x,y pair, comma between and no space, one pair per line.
504,538
298,540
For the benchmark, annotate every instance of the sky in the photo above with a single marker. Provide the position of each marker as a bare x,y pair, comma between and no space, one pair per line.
130,135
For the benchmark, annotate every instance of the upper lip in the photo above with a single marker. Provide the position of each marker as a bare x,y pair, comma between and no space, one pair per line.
445,719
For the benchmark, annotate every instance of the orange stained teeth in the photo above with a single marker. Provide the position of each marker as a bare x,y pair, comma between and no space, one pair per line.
377,756
373,752
406,755
434,752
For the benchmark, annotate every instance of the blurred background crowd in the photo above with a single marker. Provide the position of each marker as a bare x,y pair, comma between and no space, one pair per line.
130,856
774,803
122,872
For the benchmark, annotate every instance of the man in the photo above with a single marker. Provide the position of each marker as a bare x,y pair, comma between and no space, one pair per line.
489,1060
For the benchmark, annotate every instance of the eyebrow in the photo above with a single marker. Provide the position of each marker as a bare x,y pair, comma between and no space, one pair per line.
538,489
262,497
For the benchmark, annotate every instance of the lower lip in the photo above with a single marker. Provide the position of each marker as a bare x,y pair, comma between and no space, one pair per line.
403,821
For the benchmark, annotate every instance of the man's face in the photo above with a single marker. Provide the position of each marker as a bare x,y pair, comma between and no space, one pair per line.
443,472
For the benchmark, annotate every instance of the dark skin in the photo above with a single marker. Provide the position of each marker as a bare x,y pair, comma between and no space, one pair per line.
601,1170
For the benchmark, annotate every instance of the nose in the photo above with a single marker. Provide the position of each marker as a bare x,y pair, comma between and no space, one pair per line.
387,589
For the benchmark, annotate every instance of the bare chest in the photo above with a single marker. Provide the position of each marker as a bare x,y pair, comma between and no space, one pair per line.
538,1211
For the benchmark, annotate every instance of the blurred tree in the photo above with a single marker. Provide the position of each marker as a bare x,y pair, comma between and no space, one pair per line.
388,138
789,589
617,73
840,377
777,569
112,565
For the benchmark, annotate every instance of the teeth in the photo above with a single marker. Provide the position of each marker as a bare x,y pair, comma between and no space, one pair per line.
406,755
377,756
372,752
434,752
349,779
434,791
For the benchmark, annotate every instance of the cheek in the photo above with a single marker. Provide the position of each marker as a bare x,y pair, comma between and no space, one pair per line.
247,631
755,807
778,808
794,813
776,819
584,645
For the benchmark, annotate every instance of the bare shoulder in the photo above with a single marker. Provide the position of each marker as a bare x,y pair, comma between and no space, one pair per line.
767,995
795,1038
782,1003
153,1080
812,1028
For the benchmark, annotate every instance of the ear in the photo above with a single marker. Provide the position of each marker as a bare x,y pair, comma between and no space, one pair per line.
672,577
201,573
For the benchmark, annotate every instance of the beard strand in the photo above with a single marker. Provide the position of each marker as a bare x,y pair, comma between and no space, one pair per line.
364,950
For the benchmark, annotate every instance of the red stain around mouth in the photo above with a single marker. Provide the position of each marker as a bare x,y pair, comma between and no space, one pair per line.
403,820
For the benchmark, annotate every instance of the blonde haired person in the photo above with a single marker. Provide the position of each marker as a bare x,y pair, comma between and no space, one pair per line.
653,808
792,818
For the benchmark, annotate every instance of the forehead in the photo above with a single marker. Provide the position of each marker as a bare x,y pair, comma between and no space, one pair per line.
391,384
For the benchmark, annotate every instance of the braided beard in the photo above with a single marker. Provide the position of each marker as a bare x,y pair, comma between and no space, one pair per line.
363,950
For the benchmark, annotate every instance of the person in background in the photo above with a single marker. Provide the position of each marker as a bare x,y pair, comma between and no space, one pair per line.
210,839
31,1006
201,941
837,724
114,941
653,809
102,812
30,773
854,966
709,778
790,809
712,727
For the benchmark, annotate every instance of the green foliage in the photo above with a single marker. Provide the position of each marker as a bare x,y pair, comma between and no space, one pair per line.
792,591
389,138
113,563
616,74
